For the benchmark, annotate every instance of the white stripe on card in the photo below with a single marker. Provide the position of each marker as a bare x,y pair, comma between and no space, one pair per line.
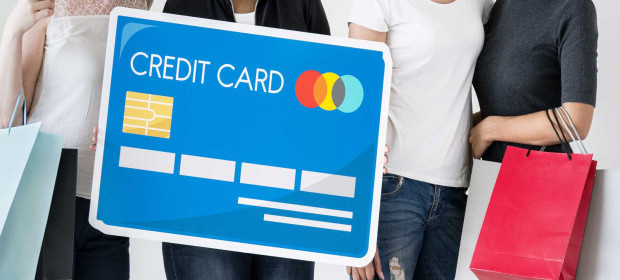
148,160
328,184
268,176
295,207
207,168
307,223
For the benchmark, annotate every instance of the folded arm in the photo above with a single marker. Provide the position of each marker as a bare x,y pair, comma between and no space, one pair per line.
532,129
21,54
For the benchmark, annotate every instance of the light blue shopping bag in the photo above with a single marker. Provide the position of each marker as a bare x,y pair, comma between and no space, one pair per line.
28,167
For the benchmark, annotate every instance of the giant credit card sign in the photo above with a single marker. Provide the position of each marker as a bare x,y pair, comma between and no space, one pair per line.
241,138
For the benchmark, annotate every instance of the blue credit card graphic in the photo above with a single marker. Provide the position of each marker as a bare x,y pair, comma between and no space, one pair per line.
241,138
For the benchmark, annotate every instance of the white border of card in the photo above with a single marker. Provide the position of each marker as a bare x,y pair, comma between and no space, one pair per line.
226,245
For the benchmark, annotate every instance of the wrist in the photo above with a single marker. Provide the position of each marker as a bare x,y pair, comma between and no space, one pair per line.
12,32
493,127
14,26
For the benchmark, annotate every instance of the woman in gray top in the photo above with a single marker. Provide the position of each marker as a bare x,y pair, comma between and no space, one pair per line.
537,55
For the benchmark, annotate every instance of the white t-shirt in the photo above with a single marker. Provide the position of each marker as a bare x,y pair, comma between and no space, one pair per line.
247,18
434,51
68,91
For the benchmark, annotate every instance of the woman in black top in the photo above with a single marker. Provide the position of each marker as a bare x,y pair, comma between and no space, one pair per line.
193,263
298,15
537,55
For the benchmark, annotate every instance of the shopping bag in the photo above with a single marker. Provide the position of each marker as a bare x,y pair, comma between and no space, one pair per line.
599,257
534,224
14,154
28,164
535,221
56,257
483,176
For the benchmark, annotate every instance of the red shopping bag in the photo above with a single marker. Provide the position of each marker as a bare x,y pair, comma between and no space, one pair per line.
534,225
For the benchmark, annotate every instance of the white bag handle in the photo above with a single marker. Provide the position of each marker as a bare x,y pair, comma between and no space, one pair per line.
572,129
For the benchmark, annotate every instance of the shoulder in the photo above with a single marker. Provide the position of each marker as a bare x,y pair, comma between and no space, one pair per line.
576,7
378,11
579,14
577,18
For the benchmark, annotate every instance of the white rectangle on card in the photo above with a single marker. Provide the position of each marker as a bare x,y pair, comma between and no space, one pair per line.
306,223
268,176
148,160
328,184
207,168
295,207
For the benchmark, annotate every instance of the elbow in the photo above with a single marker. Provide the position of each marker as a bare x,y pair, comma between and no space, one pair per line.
583,132
582,127
581,116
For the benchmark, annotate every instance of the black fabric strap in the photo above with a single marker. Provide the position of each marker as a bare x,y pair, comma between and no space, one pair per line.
568,147
564,144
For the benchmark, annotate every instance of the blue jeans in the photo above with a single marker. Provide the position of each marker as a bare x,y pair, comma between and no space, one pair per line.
420,227
184,262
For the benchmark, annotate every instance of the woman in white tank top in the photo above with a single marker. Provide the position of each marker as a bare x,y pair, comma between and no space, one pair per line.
55,50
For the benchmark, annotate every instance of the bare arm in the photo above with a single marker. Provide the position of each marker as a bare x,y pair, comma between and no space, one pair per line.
21,53
532,129
357,31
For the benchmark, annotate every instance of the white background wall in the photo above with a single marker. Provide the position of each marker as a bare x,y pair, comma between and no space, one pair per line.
604,139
